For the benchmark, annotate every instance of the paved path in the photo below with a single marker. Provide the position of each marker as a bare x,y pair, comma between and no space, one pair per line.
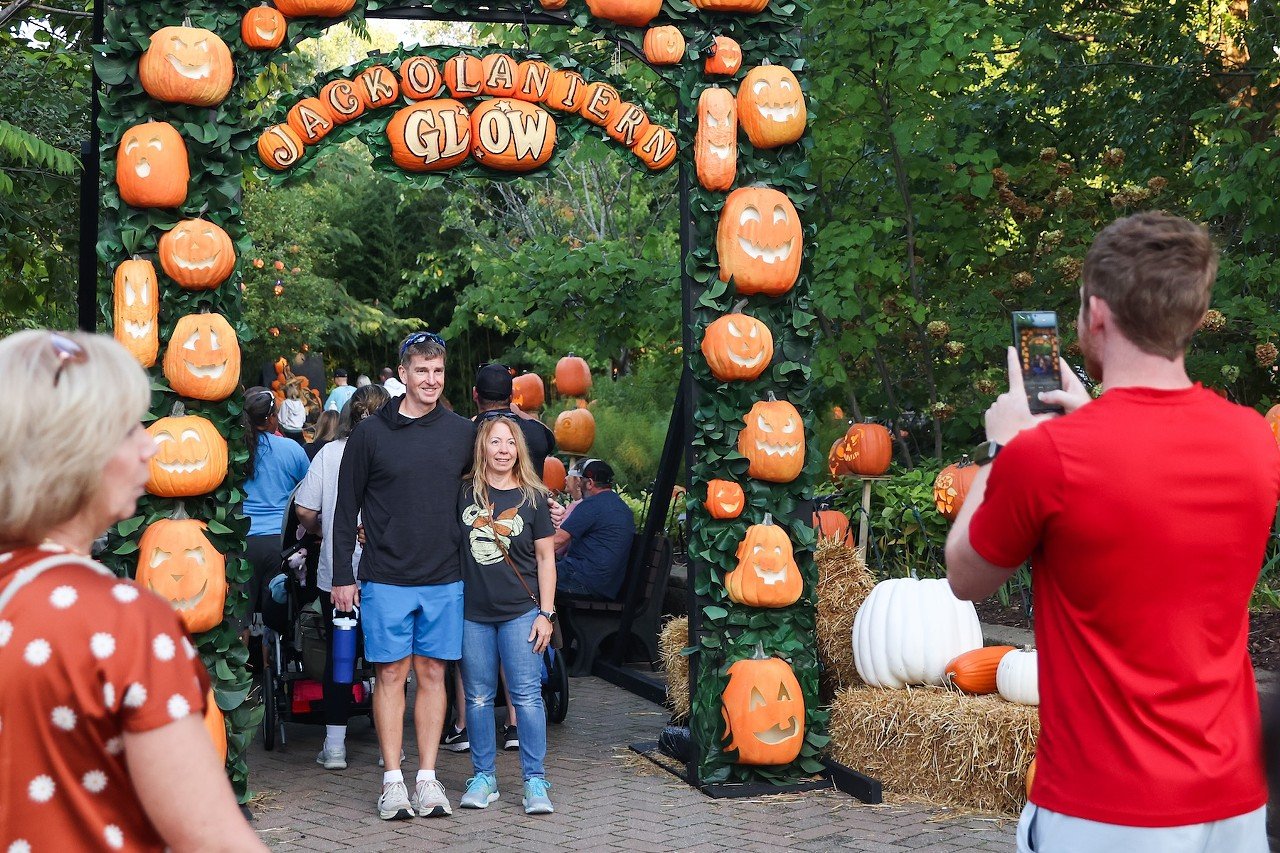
608,799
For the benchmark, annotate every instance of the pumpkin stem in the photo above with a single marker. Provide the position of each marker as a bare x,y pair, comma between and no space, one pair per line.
180,512
770,397
179,410
768,518
759,653
737,309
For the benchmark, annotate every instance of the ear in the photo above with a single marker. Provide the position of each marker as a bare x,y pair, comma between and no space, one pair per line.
1099,314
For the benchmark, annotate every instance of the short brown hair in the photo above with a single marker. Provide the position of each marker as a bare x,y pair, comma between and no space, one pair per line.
1155,271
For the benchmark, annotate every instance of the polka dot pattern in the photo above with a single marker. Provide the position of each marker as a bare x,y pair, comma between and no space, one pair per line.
114,746
103,645
63,597
37,652
95,781
19,846
163,647
41,789
6,632
64,718
109,695
124,592
178,706
188,648
135,696
113,836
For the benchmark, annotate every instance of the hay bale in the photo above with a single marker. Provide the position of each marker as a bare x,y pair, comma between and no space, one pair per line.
968,752
674,637
843,582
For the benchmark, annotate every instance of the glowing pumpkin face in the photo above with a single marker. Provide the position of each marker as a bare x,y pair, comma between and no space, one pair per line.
203,357
151,166
191,457
430,136
951,487
177,562
310,120
511,135
136,303
724,59
263,28
773,441
528,392
766,574
715,143
280,147
771,106
737,347
763,711
868,449
197,254
420,78
663,46
725,499
759,241
187,65
838,459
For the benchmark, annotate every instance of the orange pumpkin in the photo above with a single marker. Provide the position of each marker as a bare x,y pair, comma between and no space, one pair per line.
279,147
715,142
627,123
511,135
724,59
430,136
596,102
202,360
1273,421
869,448
554,474
663,46
833,524
573,376
342,100
420,78
135,309
500,74
975,671
759,241
187,65
766,574
773,440
771,106
197,254
464,75
215,725
725,499
838,459
315,8
179,563
528,392
763,711
576,430
632,13
737,347
565,91
533,80
749,7
656,148
263,28
310,120
377,86
951,487
191,456
151,166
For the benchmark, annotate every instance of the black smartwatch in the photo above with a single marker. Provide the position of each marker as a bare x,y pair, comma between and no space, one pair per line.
550,616
986,452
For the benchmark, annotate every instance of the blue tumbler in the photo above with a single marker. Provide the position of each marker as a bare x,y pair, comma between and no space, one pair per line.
344,647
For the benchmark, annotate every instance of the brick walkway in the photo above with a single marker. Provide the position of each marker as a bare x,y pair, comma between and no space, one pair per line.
607,798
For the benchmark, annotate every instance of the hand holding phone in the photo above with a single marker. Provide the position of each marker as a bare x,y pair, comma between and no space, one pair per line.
1035,340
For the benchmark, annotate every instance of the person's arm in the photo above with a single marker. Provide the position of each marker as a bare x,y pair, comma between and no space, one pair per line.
560,539
540,635
184,790
353,478
309,519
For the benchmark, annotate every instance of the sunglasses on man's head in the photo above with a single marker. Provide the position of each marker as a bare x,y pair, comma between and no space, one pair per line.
68,352
421,338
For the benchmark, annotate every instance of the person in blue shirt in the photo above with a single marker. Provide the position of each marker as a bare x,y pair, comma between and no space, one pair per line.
341,392
598,535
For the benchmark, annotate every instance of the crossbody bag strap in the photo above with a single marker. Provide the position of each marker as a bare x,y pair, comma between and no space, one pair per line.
497,539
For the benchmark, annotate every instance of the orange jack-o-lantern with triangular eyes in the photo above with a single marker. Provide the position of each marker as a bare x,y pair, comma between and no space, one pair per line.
263,28
715,142
737,347
766,574
151,166
187,65
179,563
191,456
773,441
868,449
724,59
136,309
202,360
771,106
952,486
759,241
197,254
763,709
725,499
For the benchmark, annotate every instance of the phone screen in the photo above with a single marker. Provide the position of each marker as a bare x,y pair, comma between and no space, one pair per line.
1035,335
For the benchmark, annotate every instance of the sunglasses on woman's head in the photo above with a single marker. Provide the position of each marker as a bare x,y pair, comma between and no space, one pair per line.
68,352
421,338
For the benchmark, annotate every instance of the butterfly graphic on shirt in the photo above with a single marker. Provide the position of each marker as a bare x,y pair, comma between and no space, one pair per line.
483,529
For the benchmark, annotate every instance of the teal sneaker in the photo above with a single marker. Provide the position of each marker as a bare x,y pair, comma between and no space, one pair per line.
536,800
482,789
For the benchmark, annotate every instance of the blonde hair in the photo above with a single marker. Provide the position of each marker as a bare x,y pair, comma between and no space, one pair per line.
529,483
55,440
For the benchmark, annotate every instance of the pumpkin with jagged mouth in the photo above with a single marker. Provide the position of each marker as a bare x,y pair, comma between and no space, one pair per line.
759,241
179,563
715,143
773,441
737,346
203,357
187,65
263,28
197,254
725,499
771,106
763,710
191,456
766,574
136,303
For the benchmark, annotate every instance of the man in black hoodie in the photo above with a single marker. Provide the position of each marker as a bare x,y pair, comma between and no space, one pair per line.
400,477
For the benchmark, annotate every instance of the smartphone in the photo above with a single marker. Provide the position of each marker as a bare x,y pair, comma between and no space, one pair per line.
1035,335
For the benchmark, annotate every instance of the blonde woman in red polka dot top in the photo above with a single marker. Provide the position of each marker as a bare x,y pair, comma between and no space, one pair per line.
102,744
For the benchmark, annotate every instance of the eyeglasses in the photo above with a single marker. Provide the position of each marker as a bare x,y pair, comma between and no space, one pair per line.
421,338
494,413
68,351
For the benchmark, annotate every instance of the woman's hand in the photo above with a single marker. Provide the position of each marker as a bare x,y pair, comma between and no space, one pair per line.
540,635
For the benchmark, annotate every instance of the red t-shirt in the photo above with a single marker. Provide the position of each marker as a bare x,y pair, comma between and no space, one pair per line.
84,658
1145,515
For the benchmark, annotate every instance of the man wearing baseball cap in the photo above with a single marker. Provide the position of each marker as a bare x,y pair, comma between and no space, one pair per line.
598,535
492,396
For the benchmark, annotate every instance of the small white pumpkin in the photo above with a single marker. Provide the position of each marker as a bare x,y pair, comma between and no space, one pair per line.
1017,677
907,630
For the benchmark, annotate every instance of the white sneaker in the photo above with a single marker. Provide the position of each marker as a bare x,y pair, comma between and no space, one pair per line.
333,759
382,763
430,800
394,803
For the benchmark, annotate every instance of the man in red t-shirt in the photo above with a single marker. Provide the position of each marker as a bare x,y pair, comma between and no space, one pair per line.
1145,515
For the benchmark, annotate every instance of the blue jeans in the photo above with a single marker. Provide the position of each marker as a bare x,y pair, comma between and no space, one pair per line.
484,644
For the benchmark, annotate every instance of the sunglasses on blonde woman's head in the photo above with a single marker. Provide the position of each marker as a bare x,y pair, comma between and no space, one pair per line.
421,338
68,352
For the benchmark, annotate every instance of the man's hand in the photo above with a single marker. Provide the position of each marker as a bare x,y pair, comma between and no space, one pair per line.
345,598
557,513
1073,394
1010,414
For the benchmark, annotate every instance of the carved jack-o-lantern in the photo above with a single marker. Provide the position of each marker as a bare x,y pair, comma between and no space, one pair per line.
725,57
725,499
512,135
656,148
533,80
263,28
664,46
759,241
377,86
215,725
565,91
203,357
868,449
952,486
766,574
632,13
315,8
187,65
627,123
136,304
420,78
280,147
838,459
737,347
191,456
151,166
310,120
771,106
773,440
430,136
576,430
197,254
528,392
763,711
179,563
500,75
715,143
464,75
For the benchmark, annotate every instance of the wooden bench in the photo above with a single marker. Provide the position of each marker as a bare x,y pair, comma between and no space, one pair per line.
592,623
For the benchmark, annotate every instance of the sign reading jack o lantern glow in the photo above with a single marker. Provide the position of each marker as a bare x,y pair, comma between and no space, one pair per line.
511,135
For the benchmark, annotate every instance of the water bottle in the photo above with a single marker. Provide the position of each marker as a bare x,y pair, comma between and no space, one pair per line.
344,647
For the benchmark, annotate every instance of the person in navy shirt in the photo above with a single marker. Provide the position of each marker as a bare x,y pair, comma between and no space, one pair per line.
598,534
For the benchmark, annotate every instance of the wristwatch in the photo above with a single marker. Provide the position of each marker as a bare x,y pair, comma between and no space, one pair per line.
549,615
986,452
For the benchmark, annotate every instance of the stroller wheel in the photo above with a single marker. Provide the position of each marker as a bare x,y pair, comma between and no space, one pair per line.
555,686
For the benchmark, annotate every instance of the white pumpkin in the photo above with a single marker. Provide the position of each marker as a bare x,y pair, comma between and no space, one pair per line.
907,630
1017,677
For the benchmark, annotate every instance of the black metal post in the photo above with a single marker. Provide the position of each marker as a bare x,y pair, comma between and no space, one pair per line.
90,192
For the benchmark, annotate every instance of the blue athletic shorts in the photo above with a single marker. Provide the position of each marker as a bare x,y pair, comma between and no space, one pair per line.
411,620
